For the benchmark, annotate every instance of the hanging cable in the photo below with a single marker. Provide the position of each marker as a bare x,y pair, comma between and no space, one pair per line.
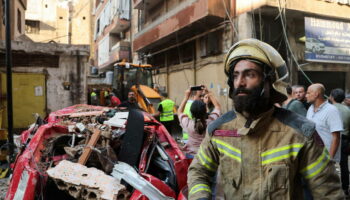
229,17
178,53
283,17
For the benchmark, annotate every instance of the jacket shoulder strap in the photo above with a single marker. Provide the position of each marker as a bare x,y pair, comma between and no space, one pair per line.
296,121
221,120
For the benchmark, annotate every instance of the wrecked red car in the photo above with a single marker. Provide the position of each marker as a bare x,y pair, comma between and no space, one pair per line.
92,152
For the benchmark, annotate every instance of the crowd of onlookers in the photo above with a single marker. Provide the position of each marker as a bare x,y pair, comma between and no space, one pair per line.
331,116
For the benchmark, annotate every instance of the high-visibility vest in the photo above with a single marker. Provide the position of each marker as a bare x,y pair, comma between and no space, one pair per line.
168,110
187,111
93,94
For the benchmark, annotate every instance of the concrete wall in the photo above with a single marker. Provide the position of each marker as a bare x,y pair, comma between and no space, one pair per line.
54,20
14,6
68,71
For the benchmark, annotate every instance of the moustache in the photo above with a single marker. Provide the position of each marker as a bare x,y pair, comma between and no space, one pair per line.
241,90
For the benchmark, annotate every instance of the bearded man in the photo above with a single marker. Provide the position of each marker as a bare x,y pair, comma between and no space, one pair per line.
260,151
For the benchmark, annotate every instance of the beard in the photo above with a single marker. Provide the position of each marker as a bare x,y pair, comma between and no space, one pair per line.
254,102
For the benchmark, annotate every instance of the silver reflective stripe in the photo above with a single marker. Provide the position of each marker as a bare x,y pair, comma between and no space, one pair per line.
22,186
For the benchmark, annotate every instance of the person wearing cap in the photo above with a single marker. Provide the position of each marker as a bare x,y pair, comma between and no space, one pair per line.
261,151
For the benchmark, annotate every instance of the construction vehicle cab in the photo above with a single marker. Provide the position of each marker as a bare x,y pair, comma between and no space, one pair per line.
137,78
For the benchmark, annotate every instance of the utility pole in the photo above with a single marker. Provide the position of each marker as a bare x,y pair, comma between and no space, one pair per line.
9,79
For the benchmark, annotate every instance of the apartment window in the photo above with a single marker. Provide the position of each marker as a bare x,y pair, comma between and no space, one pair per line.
19,21
187,51
32,26
173,56
211,44
158,61
97,26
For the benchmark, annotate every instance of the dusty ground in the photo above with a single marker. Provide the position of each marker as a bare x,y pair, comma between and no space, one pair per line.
3,188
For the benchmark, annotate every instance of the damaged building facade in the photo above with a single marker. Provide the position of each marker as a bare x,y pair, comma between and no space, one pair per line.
186,40
46,77
112,37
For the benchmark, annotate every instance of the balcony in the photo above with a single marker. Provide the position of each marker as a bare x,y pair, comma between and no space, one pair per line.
119,25
118,52
188,18
139,4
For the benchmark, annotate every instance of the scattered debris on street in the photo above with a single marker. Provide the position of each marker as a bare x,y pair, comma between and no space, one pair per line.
72,156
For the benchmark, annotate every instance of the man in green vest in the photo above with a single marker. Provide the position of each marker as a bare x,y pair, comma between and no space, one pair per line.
93,97
166,110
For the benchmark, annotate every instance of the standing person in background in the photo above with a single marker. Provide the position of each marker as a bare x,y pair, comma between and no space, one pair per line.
337,97
114,100
327,119
196,126
300,94
131,103
166,110
347,100
293,104
93,97
209,104
194,95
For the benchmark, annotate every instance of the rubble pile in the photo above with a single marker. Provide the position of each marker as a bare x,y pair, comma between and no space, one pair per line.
79,161
86,183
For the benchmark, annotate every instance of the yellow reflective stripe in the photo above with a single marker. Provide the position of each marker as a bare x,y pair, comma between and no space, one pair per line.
280,153
279,158
228,150
316,167
199,187
201,157
206,157
281,149
227,145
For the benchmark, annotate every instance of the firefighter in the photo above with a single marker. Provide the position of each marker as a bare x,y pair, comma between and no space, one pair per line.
259,151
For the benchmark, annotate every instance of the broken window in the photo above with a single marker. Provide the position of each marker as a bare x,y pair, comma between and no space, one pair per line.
19,21
32,26
211,44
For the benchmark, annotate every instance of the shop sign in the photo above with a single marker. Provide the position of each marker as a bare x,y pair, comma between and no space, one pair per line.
327,40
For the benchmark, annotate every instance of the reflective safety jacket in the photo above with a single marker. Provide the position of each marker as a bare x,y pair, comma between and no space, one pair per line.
267,158
168,110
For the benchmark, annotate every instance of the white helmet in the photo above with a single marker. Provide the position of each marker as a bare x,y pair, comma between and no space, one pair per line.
253,49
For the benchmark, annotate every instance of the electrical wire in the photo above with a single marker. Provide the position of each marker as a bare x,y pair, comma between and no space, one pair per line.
229,17
282,16
180,61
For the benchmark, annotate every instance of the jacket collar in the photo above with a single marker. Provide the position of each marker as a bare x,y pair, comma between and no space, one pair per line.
246,126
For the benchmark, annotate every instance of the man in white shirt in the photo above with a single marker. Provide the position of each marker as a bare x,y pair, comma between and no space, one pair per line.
327,119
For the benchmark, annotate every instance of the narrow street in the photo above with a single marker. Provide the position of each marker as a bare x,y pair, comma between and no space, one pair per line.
148,99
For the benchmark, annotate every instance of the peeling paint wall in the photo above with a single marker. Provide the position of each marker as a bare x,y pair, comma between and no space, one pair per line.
69,71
